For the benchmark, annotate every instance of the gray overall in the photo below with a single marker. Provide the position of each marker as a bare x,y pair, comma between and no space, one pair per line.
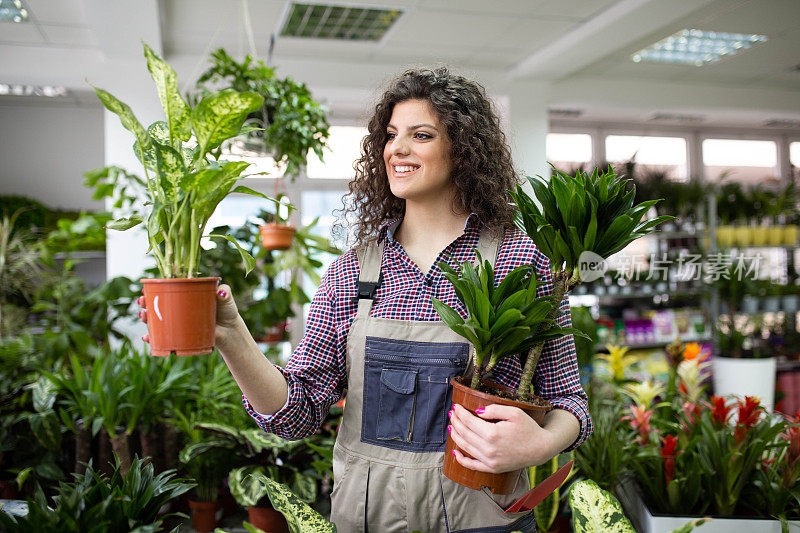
387,460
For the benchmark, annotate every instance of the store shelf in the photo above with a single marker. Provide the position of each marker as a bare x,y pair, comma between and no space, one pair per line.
81,254
650,345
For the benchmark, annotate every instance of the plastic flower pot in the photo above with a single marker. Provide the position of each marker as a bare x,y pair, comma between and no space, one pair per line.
267,519
790,302
745,377
775,236
471,399
181,315
725,236
276,236
790,234
760,235
204,515
742,235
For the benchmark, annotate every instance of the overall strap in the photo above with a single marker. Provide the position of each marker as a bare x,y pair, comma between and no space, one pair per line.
370,275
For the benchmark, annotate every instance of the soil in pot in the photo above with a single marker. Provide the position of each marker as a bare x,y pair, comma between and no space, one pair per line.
276,236
471,400
268,519
204,515
181,315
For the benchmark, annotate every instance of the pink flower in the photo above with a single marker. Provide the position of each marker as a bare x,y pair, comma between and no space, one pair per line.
640,421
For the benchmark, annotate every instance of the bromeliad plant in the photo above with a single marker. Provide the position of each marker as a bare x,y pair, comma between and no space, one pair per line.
184,183
578,222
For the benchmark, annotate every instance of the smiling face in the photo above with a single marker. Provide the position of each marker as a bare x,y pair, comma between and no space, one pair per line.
417,153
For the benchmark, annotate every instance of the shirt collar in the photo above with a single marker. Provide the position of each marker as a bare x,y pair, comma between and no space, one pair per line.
387,230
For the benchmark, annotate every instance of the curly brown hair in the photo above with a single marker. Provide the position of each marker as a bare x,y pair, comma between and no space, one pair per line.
483,172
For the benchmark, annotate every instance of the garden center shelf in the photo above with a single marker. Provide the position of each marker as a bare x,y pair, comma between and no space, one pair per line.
650,345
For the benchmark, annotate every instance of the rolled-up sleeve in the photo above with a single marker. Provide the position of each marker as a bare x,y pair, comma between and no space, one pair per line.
315,373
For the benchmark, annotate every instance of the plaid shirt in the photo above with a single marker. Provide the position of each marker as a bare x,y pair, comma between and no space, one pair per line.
316,375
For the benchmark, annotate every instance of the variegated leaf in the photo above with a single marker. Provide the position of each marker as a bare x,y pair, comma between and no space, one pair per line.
175,109
219,116
595,510
125,223
299,515
126,116
171,170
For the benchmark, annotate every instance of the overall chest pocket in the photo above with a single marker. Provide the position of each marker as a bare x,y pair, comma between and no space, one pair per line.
407,392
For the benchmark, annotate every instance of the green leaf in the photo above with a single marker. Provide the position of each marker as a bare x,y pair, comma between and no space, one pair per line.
299,515
171,170
247,190
505,322
126,116
125,223
175,109
219,116
448,315
595,510
248,260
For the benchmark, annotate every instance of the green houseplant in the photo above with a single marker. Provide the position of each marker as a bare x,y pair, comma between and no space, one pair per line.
583,219
290,123
184,187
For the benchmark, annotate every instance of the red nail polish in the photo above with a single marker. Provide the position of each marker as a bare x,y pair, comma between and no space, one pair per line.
222,294
449,429
480,410
450,414
454,452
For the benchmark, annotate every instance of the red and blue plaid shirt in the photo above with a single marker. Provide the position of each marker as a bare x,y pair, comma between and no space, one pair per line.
316,374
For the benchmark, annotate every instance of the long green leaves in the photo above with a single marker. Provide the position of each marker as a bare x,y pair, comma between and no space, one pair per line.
503,320
184,184
586,212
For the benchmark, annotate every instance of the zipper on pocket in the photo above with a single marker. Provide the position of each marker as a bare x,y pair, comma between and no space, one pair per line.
438,361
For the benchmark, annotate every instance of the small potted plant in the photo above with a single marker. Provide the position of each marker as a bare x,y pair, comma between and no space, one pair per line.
184,186
290,123
583,220
276,232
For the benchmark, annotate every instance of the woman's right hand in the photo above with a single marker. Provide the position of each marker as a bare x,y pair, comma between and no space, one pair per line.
227,314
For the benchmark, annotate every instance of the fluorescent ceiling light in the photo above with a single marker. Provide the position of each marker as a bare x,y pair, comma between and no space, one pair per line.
12,11
697,47
50,91
322,21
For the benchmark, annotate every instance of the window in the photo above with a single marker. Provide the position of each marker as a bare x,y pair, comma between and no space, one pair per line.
745,161
664,155
794,159
344,147
569,151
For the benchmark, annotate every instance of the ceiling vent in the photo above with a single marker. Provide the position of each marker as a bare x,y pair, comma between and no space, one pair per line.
347,23
565,113
676,118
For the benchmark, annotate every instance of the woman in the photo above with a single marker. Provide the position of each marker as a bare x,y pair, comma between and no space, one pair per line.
430,186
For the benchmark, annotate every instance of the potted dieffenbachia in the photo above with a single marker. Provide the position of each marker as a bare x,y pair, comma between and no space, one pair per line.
185,181
584,218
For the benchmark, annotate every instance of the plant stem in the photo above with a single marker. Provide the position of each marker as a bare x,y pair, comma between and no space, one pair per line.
560,283
194,245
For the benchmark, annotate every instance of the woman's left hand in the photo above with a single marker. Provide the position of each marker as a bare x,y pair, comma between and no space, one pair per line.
501,439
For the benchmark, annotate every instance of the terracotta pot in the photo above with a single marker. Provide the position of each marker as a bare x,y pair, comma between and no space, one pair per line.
204,515
181,315
471,400
268,519
8,490
276,236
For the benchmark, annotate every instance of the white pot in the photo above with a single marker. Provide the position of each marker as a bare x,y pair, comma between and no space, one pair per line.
646,522
745,377
790,302
750,305
772,304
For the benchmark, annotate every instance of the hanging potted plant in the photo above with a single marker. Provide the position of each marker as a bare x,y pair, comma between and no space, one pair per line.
184,187
583,220
276,232
289,123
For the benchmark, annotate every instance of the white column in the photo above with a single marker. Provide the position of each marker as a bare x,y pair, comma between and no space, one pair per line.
528,127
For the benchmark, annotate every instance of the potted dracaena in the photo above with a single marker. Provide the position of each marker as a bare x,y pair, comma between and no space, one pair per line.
184,187
583,219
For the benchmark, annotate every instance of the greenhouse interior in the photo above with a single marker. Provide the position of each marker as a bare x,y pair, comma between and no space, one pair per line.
402,266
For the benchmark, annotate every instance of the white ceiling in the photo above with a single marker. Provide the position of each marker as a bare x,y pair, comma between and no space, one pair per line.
579,48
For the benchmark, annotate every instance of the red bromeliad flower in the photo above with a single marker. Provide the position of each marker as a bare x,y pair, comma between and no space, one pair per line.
793,436
668,453
691,412
640,421
719,411
749,412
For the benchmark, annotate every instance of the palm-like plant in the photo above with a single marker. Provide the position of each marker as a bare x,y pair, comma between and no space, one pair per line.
575,215
20,268
503,321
